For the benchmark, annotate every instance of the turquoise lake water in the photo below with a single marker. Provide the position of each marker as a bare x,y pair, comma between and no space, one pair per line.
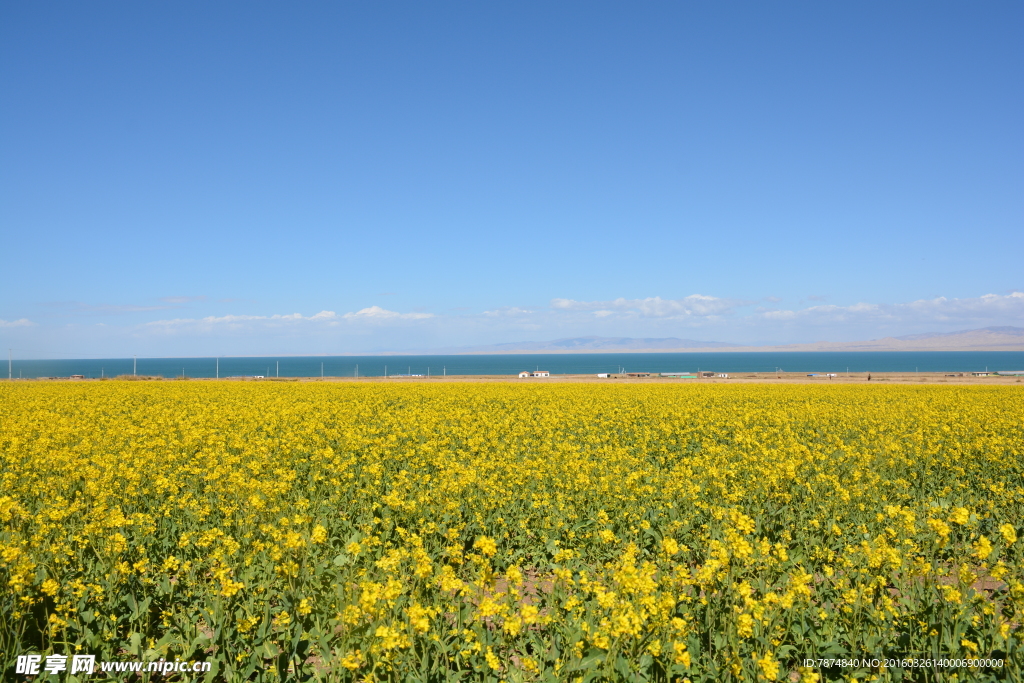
511,364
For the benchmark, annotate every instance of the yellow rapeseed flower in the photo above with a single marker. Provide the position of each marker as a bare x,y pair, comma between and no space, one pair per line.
486,545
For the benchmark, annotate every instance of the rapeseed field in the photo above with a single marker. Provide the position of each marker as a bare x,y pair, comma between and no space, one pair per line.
502,532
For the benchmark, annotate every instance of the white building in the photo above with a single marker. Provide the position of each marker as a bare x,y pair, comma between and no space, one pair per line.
524,374
541,373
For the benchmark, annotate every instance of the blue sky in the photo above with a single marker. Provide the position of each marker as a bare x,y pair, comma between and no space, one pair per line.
263,178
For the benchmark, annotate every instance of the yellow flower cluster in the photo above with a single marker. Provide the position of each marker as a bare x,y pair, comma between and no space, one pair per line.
495,531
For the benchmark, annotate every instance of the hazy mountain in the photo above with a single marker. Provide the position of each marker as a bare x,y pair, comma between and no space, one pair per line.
985,339
1004,330
593,344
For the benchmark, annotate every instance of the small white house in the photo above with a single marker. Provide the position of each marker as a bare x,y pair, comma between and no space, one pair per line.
524,374
541,373
603,374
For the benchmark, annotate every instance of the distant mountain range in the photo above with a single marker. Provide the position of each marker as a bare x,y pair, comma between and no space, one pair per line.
984,339
1017,332
596,345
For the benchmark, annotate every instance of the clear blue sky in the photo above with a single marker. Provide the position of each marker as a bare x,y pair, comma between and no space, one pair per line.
175,175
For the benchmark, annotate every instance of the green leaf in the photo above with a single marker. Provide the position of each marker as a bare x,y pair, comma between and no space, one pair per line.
135,644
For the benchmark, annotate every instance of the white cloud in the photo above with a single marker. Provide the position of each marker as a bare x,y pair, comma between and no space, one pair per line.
778,315
323,315
507,312
182,299
219,320
103,309
998,308
373,313
375,328
695,305
378,313
20,322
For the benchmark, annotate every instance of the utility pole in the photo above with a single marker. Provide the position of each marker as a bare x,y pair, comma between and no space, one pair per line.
135,364
321,369
278,368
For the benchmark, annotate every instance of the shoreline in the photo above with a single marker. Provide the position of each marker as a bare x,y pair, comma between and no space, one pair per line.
877,378
822,347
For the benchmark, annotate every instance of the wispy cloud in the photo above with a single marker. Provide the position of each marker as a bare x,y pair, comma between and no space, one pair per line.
703,310
987,308
695,305
238,319
20,322
371,314
507,312
697,316
378,313
178,300
103,309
